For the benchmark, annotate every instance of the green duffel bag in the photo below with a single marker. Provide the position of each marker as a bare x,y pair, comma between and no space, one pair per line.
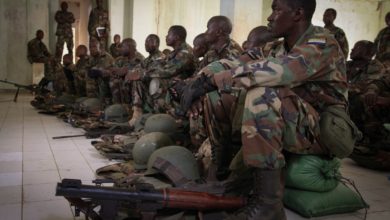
314,204
312,173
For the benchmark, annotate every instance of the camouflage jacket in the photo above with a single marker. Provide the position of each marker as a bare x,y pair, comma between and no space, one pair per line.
64,23
381,86
36,49
314,68
126,62
341,38
180,63
98,18
230,50
361,73
82,66
382,43
115,50
153,60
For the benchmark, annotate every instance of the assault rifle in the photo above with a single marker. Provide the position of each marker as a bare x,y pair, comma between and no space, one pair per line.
143,198
115,129
32,87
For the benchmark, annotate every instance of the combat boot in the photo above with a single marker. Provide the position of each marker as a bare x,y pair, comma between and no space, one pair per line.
266,201
137,113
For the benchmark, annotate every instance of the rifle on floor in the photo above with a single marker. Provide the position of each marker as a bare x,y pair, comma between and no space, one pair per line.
115,129
32,88
143,198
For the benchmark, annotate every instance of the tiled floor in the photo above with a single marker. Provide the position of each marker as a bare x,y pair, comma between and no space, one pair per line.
31,164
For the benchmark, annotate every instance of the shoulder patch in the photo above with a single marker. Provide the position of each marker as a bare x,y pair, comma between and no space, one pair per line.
317,41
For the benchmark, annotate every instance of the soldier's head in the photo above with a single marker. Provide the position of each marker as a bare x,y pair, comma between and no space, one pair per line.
387,19
129,47
67,59
117,38
177,34
200,45
152,43
81,51
289,15
94,47
244,45
166,51
258,37
363,50
39,34
330,15
218,26
64,6
99,4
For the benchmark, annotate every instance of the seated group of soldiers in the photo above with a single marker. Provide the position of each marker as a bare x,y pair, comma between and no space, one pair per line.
247,106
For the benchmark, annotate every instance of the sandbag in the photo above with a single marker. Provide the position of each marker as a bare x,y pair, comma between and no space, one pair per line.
312,173
314,204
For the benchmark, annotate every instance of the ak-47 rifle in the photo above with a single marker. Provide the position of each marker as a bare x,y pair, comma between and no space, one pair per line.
115,129
31,87
143,198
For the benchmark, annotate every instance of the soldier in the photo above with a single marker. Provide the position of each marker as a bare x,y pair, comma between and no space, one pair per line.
99,24
54,74
382,44
97,84
81,73
115,47
338,33
217,35
69,71
200,49
36,50
129,60
64,32
286,93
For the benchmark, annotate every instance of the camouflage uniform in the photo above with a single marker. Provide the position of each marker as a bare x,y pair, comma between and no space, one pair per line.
70,69
382,43
286,93
99,18
54,72
64,32
36,50
99,87
179,65
81,74
341,38
115,50
360,73
139,89
119,89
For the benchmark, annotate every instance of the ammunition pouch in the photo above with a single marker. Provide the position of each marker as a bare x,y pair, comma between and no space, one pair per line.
338,132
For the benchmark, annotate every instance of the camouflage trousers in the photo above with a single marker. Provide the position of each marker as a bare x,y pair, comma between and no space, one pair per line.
276,119
61,39
120,91
80,86
104,90
91,87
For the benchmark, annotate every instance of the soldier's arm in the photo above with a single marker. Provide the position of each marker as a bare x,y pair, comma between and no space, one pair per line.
90,23
301,64
57,17
173,66
71,18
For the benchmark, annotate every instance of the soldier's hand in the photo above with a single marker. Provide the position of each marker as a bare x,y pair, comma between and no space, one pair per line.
133,76
194,90
196,109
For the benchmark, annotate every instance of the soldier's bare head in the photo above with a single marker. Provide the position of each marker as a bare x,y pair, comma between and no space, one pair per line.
290,18
94,47
363,50
330,15
117,38
177,34
152,43
200,45
81,51
258,37
129,47
67,59
387,18
99,4
218,26
64,6
39,34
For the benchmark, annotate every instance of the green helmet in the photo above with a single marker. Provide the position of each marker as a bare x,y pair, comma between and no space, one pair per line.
66,99
116,113
146,145
160,123
90,105
176,163
77,103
